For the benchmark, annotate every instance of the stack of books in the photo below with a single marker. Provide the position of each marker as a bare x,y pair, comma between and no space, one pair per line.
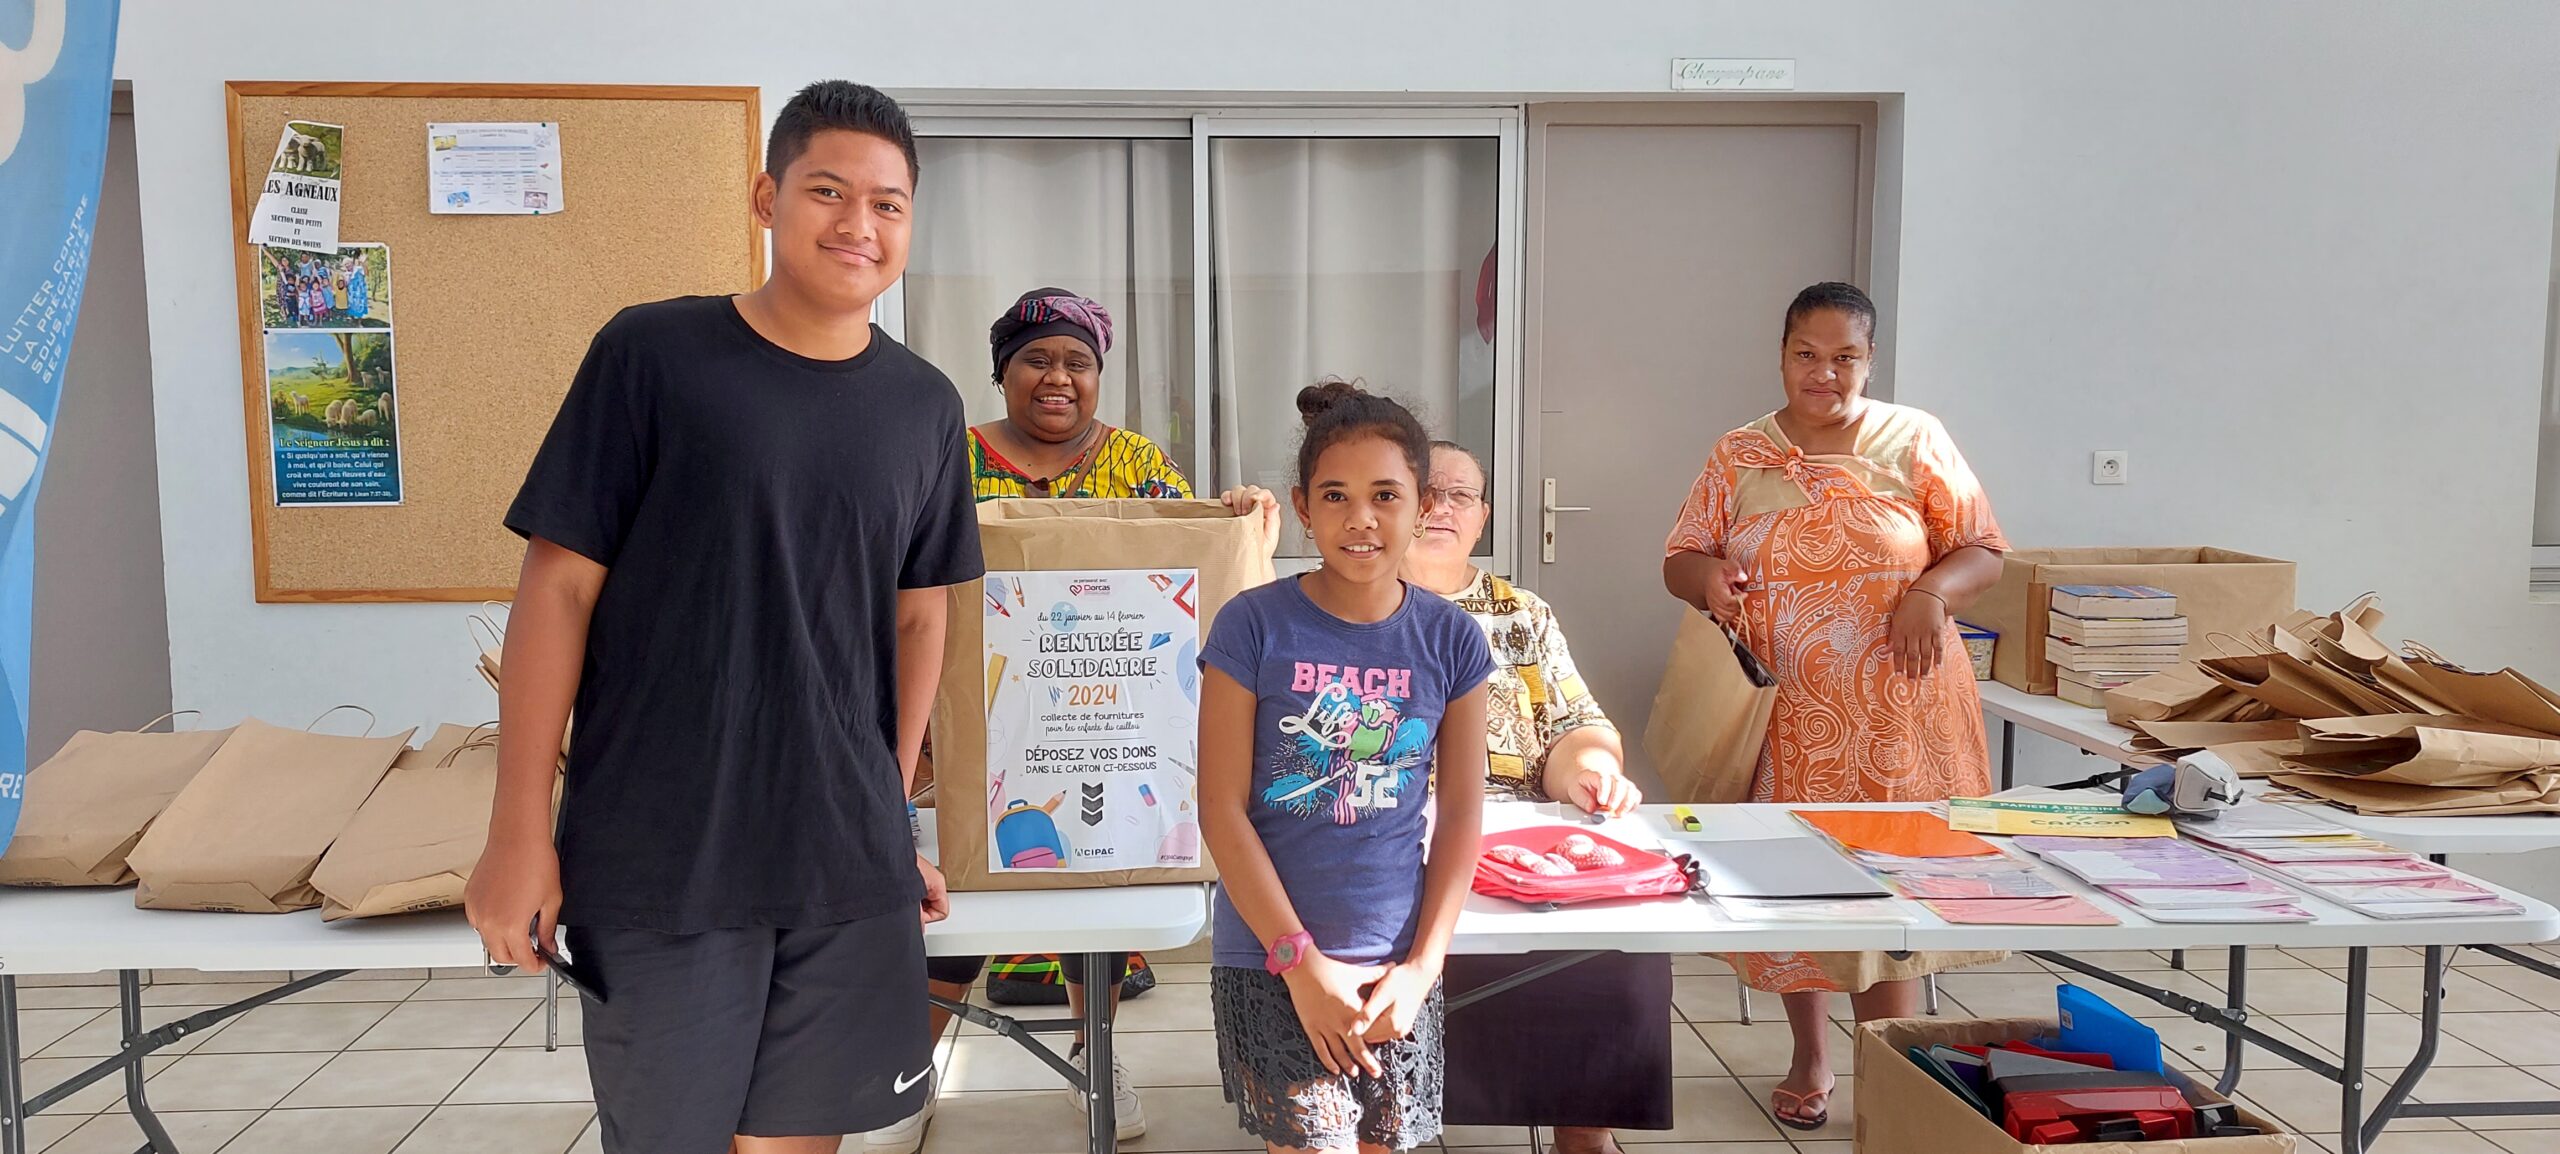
2102,636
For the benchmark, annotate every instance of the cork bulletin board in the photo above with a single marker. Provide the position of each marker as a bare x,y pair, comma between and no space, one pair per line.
492,314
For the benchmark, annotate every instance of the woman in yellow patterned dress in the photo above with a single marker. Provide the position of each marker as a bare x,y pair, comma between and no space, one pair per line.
1838,537
1048,352
1586,1050
1047,349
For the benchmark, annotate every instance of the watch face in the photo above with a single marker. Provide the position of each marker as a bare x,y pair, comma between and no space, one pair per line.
1288,953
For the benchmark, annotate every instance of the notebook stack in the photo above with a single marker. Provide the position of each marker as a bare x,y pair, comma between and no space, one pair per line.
2103,636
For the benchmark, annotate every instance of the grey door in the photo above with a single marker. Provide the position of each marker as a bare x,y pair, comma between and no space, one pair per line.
1661,260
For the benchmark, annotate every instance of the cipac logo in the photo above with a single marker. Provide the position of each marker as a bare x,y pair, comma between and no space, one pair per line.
20,68
1088,588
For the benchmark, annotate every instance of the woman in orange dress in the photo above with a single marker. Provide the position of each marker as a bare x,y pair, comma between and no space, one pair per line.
1838,537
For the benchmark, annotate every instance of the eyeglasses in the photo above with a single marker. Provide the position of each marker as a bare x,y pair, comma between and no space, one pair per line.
1460,500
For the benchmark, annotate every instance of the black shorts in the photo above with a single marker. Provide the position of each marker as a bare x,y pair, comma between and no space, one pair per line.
769,1033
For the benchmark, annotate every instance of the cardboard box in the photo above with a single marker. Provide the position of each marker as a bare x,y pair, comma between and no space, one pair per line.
2219,591
1024,821
1902,1111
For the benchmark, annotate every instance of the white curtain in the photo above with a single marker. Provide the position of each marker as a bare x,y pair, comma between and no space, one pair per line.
1108,219
1354,257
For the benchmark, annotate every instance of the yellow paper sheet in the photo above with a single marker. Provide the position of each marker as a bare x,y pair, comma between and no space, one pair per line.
2017,818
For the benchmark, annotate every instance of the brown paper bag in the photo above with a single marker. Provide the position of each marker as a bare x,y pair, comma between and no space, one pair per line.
1711,715
1902,1110
244,835
2538,793
2419,749
2180,691
412,846
2219,591
2280,682
2258,758
1039,535
2183,736
87,805
2506,695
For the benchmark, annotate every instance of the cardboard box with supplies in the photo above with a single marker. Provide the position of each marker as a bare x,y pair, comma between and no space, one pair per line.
1905,1107
2218,591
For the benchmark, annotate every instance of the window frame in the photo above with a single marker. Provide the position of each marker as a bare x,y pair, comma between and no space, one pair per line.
1202,125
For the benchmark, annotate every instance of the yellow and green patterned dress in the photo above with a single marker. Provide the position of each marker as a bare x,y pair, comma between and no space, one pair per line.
1120,464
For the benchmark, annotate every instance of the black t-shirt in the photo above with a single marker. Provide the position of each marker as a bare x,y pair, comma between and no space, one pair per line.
734,759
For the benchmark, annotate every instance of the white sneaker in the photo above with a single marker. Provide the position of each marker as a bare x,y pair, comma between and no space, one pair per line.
905,1137
1129,1118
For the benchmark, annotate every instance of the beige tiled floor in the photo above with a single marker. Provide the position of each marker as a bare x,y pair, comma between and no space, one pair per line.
418,1063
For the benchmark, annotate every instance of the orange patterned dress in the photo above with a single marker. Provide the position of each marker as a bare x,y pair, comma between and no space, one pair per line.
1830,544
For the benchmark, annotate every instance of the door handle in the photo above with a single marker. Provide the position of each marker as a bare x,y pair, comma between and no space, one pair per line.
1547,510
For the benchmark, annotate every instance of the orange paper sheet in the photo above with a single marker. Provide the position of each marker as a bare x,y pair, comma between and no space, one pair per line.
1901,832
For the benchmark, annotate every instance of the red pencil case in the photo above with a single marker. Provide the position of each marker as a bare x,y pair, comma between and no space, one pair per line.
1641,873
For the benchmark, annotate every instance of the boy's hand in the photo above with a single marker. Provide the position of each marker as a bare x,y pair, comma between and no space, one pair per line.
937,892
516,881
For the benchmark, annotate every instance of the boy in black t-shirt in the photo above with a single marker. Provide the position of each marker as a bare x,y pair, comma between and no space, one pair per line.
739,533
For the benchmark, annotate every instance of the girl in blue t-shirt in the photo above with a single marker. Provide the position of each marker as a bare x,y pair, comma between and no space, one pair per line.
1326,701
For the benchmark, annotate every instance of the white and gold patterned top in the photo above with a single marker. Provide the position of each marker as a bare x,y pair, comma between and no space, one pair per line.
1535,696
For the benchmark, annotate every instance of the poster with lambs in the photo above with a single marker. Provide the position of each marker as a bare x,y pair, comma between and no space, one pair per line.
333,425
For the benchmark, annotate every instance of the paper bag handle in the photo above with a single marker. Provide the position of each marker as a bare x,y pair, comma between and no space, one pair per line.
497,633
479,740
369,719
171,717
2419,650
2246,650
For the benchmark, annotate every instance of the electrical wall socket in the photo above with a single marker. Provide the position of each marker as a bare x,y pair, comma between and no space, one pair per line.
2108,466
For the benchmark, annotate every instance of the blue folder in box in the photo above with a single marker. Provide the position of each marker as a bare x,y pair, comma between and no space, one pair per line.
2091,1024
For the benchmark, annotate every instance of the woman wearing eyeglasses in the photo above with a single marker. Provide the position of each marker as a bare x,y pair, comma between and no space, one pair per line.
1588,1048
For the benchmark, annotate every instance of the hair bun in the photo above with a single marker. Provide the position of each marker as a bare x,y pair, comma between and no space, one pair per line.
1316,399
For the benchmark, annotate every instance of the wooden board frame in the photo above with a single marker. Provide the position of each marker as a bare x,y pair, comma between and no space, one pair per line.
252,351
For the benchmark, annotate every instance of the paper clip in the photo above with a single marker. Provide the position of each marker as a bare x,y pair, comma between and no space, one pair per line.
1685,820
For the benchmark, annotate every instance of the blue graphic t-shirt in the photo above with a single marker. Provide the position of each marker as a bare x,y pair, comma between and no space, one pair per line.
1345,724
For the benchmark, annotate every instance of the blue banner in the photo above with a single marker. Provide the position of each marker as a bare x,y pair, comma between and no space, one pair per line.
57,61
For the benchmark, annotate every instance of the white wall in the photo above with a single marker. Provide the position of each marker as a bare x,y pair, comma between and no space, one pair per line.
2294,256
101,625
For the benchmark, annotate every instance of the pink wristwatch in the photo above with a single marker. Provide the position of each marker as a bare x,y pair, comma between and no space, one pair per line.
1290,952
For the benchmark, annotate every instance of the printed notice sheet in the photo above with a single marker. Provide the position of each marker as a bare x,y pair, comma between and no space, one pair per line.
494,169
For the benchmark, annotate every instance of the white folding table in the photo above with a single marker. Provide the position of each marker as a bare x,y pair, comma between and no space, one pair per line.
1494,926
2436,837
84,931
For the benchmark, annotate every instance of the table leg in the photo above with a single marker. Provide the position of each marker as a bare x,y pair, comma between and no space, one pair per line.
2008,753
13,1092
129,1006
2351,1137
2234,1047
1102,1107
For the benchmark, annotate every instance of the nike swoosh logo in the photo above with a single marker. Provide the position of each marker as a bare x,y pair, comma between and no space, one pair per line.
905,1082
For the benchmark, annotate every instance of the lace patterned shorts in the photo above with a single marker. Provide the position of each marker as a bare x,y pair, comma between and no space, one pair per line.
1284,1095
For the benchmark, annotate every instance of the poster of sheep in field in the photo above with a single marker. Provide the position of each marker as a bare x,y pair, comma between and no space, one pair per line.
333,423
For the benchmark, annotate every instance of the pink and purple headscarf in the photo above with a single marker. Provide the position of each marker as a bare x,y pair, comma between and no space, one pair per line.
1048,312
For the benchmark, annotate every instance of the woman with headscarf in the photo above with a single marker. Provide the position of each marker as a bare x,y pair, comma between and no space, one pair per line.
1047,349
